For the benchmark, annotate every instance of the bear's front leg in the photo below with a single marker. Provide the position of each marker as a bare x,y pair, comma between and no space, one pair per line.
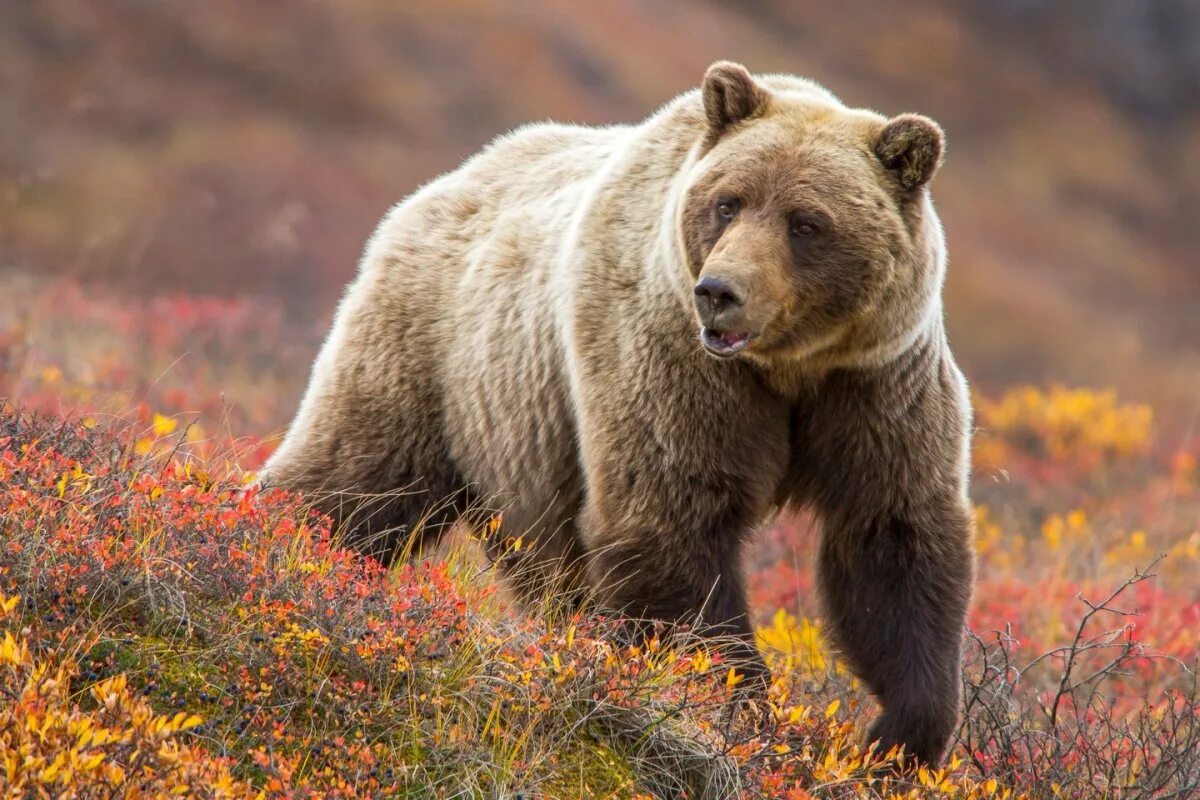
884,455
676,481
895,588
637,575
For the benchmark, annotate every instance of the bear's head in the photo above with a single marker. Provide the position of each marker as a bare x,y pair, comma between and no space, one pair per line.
806,226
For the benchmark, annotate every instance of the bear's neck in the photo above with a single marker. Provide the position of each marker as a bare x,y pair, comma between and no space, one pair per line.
803,377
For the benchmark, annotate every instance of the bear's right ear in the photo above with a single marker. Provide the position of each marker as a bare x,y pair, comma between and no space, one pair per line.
731,95
911,146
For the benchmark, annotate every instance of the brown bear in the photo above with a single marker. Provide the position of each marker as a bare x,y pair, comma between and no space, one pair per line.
641,342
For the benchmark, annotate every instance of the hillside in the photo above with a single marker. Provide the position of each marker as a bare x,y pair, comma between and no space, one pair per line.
230,630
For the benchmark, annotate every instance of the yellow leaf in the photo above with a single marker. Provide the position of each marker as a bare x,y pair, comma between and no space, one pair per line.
733,678
832,708
84,738
49,773
115,774
12,652
163,425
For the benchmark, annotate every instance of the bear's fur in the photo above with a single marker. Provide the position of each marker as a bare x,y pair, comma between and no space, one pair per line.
640,342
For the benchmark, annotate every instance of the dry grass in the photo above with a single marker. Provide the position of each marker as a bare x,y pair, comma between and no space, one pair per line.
315,672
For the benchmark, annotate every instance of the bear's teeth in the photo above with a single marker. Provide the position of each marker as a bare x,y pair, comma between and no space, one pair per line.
725,343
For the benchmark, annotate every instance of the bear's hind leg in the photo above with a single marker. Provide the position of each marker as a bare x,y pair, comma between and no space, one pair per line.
380,468
381,511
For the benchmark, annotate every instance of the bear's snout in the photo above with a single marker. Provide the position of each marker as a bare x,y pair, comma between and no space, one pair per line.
721,306
718,301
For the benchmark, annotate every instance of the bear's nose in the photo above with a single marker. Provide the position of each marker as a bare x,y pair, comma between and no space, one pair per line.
714,295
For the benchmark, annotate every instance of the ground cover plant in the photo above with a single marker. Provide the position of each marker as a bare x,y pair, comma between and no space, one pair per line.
165,631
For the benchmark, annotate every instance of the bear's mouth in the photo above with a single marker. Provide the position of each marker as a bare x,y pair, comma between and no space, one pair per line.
724,343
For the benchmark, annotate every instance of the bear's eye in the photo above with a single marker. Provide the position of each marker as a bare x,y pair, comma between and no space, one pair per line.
727,208
802,229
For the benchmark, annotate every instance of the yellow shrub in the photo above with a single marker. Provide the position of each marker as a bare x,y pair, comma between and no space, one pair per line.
1064,422
792,644
51,748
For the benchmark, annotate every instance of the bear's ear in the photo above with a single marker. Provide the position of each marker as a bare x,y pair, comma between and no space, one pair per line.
730,95
911,146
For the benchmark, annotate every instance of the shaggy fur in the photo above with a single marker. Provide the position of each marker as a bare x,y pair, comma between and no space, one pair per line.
534,333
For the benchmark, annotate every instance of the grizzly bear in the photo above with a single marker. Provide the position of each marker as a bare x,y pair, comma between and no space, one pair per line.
639,343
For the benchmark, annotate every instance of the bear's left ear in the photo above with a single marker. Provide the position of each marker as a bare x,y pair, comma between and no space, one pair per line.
731,95
911,147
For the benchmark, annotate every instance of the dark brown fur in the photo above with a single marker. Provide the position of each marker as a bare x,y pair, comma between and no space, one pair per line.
524,337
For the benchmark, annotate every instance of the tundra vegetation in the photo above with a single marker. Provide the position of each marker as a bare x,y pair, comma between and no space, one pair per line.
164,632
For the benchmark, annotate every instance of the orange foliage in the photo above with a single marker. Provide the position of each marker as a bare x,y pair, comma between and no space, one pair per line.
318,673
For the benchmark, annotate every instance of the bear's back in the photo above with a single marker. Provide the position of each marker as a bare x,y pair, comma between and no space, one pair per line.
505,390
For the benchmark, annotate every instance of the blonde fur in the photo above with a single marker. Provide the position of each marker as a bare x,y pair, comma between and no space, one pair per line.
523,338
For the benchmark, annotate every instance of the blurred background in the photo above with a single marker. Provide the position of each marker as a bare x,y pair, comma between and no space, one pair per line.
173,173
